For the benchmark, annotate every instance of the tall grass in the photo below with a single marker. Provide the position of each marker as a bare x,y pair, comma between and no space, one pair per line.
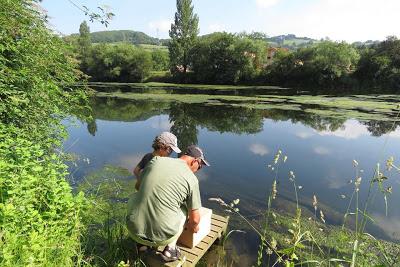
309,241
106,241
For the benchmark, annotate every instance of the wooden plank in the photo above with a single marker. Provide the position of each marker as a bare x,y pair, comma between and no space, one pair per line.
202,245
208,239
218,223
215,228
190,256
195,251
219,218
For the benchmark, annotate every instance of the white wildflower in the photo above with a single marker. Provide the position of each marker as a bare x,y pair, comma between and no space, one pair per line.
315,202
274,190
273,243
322,216
389,163
389,189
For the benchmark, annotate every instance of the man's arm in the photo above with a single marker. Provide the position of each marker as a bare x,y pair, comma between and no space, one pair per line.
137,172
194,220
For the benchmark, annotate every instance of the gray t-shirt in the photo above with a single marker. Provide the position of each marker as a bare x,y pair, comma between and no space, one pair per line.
168,190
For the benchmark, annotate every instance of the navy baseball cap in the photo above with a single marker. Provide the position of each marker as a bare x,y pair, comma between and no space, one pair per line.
196,152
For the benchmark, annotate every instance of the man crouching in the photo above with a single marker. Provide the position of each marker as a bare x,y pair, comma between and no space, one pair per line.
168,200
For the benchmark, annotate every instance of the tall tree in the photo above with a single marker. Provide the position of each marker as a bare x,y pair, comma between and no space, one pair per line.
84,44
84,37
183,34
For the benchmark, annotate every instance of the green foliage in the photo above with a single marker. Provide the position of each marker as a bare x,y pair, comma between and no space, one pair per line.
380,64
84,41
160,59
84,44
127,36
183,35
291,41
39,216
223,58
119,62
326,63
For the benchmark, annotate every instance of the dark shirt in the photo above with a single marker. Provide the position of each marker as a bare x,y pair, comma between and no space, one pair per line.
146,158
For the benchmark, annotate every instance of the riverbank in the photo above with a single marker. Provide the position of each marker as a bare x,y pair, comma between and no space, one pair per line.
127,87
362,107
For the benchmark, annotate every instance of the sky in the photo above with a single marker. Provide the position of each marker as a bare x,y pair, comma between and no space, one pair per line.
340,20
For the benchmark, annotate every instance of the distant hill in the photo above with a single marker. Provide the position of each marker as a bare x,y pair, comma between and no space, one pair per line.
289,41
129,36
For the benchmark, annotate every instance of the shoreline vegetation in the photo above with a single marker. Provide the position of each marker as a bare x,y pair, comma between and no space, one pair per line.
166,85
44,221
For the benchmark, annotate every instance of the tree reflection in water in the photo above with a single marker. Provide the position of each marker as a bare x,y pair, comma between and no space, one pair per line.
186,117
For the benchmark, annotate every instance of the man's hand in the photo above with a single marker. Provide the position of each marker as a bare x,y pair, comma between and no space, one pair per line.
194,220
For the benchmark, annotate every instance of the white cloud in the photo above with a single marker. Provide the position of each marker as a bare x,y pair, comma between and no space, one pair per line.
391,226
351,129
395,133
355,20
259,149
304,135
266,3
162,25
320,150
335,180
163,125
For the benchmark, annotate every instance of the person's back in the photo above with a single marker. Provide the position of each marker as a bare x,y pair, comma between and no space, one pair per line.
169,188
163,146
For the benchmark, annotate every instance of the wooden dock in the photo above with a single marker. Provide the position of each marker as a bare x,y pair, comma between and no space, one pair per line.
190,256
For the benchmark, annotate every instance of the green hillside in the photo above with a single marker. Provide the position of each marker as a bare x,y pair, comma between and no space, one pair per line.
290,41
115,36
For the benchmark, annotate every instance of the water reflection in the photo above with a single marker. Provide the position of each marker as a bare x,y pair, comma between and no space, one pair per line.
183,118
240,142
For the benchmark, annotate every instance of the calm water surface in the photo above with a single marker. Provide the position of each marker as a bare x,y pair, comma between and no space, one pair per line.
240,143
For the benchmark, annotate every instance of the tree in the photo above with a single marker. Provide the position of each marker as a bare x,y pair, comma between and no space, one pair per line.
224,58
84,44
380,64
183,35
326,63
84,41
118,63
160,59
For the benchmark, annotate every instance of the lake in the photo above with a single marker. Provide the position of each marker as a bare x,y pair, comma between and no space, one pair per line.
240,135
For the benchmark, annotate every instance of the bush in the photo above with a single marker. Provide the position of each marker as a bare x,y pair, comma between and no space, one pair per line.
118,63
39,216
224,58
326,63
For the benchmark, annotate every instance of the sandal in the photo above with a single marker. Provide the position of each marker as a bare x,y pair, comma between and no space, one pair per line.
171,254
142,248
